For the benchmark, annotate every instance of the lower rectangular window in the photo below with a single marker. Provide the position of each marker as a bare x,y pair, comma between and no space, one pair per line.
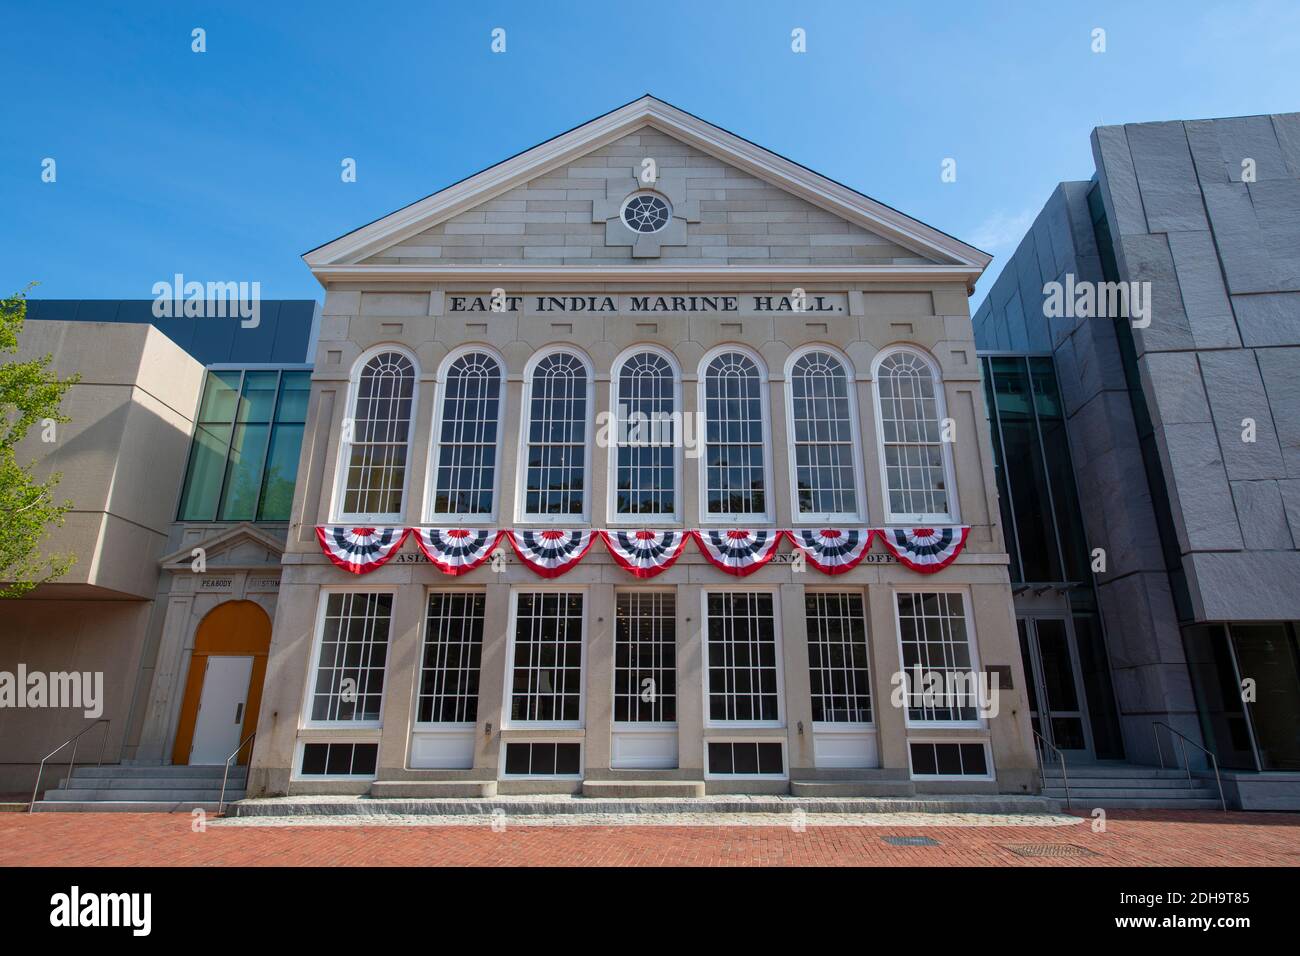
949,760
543,759
746,758
339,760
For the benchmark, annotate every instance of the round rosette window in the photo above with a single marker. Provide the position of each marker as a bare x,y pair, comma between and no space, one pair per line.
646,213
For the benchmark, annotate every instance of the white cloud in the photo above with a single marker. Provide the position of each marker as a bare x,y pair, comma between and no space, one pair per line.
1001,231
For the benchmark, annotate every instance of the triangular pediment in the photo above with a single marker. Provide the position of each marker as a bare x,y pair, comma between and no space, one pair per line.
732,203
243,547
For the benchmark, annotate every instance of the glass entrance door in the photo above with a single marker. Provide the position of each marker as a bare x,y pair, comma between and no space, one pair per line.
1056,702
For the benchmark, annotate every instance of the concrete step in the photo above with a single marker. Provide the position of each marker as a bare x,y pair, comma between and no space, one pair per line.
1133,793
170,770
150,783
1138,803
424,789
124,806
162,795
561,804
852,788
1115,771
642,788
1178,783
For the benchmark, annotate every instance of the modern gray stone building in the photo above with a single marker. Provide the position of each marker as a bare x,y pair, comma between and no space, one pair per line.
1183,421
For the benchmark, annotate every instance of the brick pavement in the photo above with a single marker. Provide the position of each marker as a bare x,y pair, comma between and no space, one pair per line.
1141,838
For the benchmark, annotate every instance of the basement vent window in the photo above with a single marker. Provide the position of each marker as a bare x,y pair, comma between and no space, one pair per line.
938,760
543,760
745,758
339,760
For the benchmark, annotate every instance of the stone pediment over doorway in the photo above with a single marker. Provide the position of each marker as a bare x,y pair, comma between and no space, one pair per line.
243,547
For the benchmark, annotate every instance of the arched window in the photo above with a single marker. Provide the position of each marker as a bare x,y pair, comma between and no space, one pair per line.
824,438
645,437
375,458
914,457
735,463
555,443
465,467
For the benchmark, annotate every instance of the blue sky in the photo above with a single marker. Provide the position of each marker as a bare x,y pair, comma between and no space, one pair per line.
225,165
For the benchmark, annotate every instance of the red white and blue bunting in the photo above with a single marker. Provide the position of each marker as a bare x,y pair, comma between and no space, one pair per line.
833,550
926,550
359,550
457,550
645,553
551,552
738,551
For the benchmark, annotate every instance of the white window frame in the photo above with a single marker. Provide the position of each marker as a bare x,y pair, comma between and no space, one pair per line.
731,739
978,723
632,726
433,727
991,773
709,722
344,454
856,726
952,516
764,386
305,722
542,739
855,430
525,424
430,517
507,692
612,517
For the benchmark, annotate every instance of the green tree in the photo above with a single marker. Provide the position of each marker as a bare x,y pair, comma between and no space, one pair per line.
30,395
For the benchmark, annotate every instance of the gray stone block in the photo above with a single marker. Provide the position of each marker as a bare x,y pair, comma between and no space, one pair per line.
1017,333
1119,184
1287,128
1166,177
1115,501
1290,491
1247,586
1280,370
1242,250
1250,137
1041,234
1205,300
1095,362
1268,319
1261,515
1199,492
1236,393
1148,259
1172,384
1207,154
1083,240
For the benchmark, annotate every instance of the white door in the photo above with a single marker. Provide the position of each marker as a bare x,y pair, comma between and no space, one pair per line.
221,709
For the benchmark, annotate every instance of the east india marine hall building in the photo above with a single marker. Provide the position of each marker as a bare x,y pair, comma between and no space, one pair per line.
644,462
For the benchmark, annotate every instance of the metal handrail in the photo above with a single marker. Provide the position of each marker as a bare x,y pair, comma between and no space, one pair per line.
1060,755
75,740
221,801
1183,741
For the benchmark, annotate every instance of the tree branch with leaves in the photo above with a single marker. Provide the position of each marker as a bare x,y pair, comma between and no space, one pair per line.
30,395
